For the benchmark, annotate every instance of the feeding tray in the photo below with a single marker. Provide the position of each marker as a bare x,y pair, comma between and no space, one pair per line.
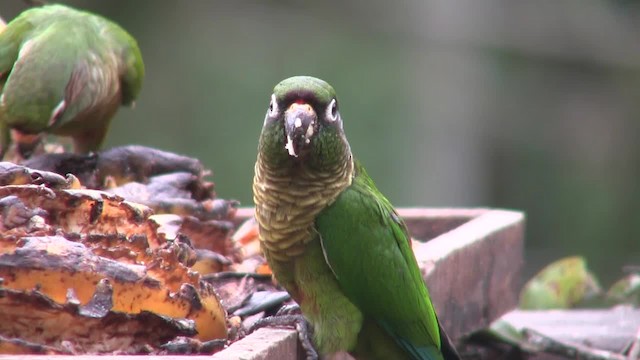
471,260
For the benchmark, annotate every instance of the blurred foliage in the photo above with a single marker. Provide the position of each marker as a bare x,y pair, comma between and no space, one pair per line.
568,283
517,104
560,285
564,284
626,290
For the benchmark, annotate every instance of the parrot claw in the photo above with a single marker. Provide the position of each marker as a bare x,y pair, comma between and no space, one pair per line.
290,309
297,321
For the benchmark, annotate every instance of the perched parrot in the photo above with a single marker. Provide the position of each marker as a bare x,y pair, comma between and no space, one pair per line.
65,72
333,241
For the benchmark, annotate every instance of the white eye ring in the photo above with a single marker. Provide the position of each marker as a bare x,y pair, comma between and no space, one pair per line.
332,111
273,106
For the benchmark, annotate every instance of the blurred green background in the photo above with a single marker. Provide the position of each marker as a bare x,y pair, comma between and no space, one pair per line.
529,105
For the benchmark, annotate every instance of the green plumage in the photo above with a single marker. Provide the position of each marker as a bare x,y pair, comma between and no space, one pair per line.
66,72
368,248
333,240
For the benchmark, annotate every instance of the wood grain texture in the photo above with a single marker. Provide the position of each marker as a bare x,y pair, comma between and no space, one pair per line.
610,329
473,271
265,343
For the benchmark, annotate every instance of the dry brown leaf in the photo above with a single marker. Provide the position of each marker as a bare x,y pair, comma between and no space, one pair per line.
234,288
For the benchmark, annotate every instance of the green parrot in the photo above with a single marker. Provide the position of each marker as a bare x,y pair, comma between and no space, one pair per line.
333,241
65,72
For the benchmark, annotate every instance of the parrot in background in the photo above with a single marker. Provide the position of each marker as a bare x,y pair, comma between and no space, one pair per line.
64,72
333,241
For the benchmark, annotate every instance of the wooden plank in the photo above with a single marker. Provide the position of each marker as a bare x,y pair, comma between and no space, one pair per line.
606,329
104,357
266,343
262,344
423,223
426,224
473,271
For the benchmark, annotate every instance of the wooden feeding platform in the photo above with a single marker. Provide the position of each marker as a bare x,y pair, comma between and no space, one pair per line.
605,333
471,260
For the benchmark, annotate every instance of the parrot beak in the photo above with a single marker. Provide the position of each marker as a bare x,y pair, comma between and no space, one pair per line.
300,123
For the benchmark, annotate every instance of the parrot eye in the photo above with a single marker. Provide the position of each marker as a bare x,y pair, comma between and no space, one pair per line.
332,111
273,106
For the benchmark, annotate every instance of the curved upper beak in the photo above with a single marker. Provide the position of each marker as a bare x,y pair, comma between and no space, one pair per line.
300,121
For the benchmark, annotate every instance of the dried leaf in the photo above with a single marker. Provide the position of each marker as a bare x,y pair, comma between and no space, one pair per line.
261,301
187,346
234,288
625,290
501,331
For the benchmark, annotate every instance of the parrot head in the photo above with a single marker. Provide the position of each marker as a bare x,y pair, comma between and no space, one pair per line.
303,124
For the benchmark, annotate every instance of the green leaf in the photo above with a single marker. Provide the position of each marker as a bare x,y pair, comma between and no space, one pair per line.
625,290
560,285
501,331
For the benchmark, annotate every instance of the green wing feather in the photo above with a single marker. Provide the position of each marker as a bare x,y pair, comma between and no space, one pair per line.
64,54
37,83
368,248
10,42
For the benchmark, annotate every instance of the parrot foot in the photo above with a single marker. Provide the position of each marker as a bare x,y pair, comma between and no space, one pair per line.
290,309
297,321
